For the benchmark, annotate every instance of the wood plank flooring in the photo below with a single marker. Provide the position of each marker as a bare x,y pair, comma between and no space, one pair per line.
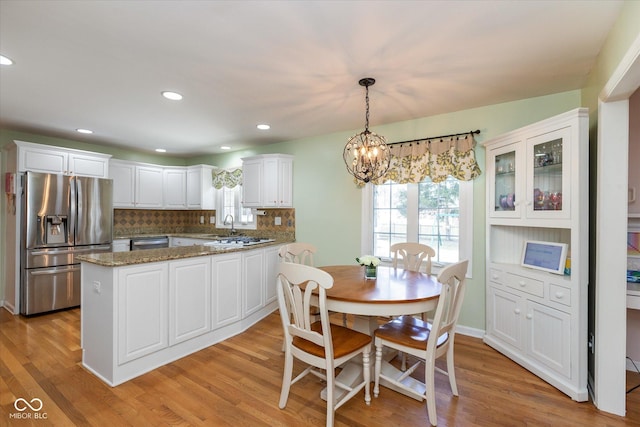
237,383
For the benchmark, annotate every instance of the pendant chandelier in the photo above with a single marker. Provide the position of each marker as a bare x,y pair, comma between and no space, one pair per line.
366,154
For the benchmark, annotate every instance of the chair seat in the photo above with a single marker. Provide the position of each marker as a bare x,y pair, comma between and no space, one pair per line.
345,341
407,331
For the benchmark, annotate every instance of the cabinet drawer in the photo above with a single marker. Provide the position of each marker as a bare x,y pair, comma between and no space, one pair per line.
525,284
560,294
496,276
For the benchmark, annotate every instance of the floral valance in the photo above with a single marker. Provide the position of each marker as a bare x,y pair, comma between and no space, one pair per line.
435,158
226,178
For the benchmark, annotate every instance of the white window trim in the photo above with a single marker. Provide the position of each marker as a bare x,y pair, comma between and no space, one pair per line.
465,250
220,215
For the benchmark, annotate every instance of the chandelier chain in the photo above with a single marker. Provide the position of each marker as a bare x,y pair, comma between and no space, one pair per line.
366,120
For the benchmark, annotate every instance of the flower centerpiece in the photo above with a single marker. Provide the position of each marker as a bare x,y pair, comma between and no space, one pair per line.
370,264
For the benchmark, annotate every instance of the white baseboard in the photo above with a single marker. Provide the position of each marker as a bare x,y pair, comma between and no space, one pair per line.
630,366
472,332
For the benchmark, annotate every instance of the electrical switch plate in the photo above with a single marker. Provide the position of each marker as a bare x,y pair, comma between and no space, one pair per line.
201,219
278,220
212,219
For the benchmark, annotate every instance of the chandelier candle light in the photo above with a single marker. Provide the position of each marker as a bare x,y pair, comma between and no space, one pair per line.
366,154
370,264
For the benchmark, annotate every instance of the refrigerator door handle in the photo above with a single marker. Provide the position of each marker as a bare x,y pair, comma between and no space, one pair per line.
51,251
49,272
73,211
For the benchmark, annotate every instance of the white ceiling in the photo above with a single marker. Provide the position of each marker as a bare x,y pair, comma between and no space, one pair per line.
293,64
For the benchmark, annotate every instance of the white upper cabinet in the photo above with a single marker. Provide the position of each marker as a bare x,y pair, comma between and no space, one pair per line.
123,175
267,181
200,191
530,175
175,187
147,186
49,159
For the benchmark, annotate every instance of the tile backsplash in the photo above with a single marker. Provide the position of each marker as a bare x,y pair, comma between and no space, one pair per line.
129,222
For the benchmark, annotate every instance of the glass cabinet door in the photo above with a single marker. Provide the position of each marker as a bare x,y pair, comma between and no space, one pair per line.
547,187
505,186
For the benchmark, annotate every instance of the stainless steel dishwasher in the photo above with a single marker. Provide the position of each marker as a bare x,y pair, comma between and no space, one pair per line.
155,242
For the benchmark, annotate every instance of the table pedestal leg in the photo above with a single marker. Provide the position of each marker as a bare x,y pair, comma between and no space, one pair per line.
351,373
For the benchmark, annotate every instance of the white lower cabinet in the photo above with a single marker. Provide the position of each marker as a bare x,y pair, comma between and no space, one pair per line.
541,333
226,289
136,318
189,298
271,260
142,313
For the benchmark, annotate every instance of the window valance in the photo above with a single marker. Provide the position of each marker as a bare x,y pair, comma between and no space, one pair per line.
226,178
436,158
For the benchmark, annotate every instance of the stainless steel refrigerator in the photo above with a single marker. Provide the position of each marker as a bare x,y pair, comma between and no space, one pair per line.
64,216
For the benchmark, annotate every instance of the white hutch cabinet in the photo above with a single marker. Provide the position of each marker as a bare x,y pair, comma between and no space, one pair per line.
537,189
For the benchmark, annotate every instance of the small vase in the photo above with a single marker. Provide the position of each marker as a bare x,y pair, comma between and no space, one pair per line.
370,271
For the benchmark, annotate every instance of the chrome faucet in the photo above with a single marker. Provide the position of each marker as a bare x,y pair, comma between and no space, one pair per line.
233,230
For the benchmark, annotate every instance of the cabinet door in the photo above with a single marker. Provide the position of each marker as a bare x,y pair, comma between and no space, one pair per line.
271,260
142,311
285,183
548,191
270,193
42,160
504,319
549,337
505,175
175,188
252,183
200,191
226,289
87,165
123,176
253,280
148,189
190,298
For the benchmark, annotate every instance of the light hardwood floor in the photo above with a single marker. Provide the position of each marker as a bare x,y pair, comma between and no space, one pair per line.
237,383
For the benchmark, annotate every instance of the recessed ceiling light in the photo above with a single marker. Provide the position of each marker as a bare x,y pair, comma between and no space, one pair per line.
174,96
84,130
5,61
225,147
263,126
161,150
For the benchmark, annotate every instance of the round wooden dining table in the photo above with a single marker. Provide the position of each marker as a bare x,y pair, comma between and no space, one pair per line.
394,292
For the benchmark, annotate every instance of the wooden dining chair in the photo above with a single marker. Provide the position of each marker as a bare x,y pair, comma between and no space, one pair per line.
323,346
426,341
412,254
298,252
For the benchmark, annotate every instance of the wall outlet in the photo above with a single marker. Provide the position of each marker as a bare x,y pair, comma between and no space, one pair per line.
289,223
212,219
201,219
97,287
278,220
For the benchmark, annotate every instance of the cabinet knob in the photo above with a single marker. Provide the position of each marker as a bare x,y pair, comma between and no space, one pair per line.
494,276
529,316
559,294
522,283
516,311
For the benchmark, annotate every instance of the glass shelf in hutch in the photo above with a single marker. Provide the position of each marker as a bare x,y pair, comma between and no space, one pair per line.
547,175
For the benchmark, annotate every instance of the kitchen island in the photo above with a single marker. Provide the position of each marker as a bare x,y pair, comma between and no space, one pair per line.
144,309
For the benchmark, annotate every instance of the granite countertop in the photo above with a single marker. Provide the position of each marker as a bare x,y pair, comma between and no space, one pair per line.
118,259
